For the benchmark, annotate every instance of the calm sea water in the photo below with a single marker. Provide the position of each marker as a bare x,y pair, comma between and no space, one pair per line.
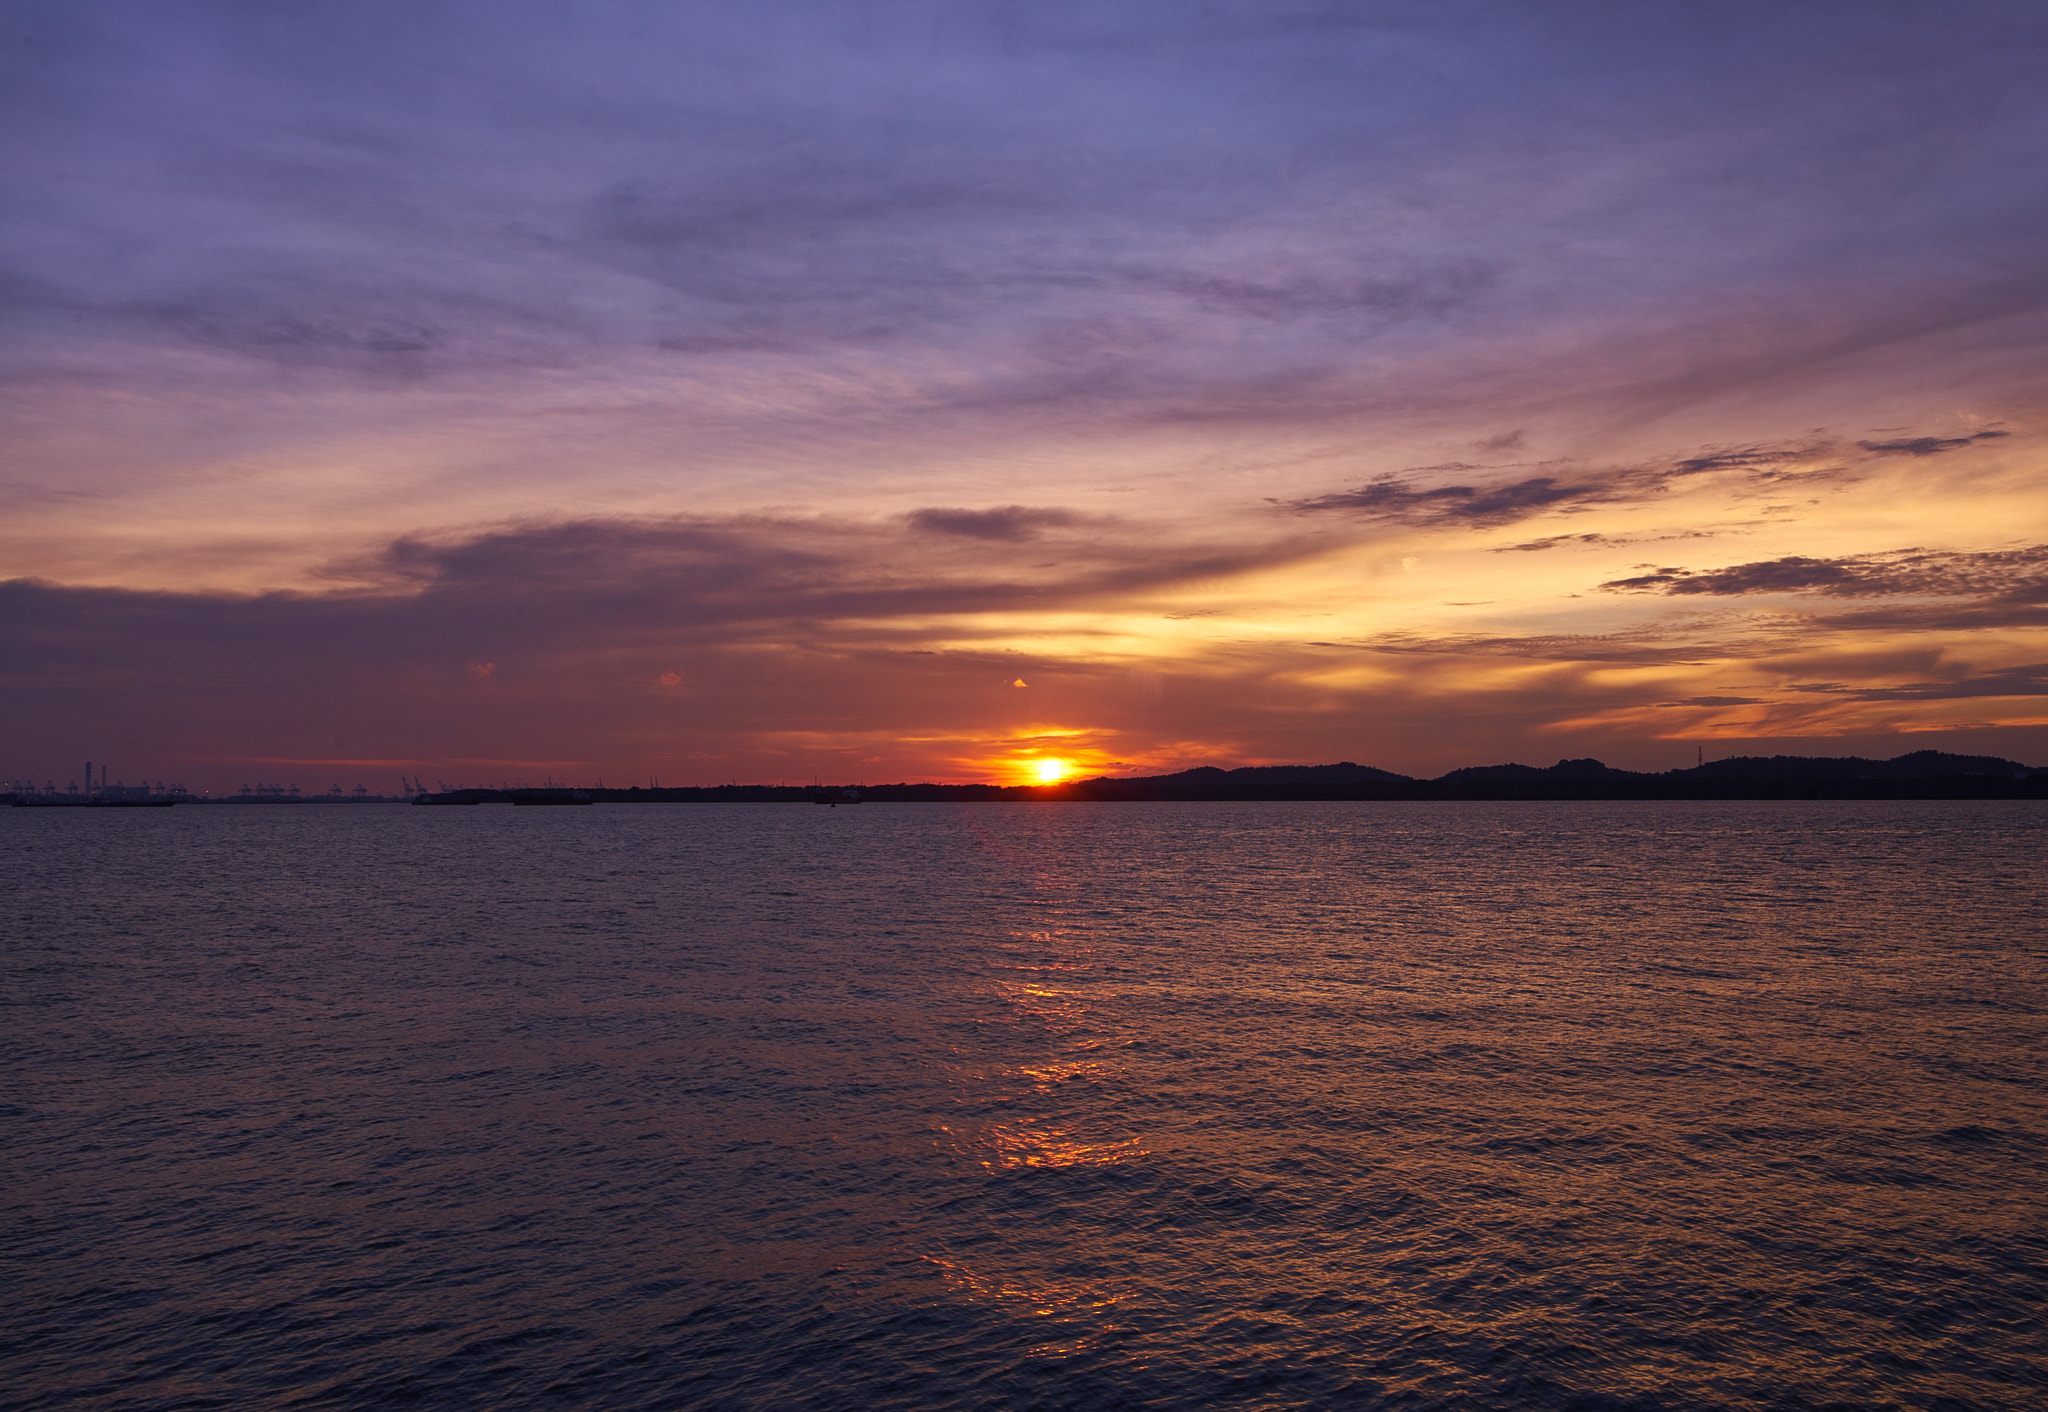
1027,1106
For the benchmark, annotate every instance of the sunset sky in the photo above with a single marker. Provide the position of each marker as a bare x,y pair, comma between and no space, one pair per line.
491,392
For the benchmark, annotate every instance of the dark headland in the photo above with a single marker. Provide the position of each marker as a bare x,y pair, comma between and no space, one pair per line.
1924,774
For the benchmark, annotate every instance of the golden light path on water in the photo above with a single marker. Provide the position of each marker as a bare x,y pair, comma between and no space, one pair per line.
1033,1139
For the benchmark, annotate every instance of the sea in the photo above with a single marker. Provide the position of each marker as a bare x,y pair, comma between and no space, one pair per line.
1634,1105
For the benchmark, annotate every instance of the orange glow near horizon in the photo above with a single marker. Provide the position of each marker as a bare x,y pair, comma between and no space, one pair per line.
1043,755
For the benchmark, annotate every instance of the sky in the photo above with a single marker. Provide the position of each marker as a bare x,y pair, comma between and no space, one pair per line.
818,389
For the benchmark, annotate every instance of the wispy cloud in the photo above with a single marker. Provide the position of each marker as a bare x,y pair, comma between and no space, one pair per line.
1011,523
1480,507
2030,680
1487,497
2009,574
1927,445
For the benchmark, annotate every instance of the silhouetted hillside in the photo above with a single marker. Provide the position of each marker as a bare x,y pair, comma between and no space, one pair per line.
1920,765
1924,774
1343,780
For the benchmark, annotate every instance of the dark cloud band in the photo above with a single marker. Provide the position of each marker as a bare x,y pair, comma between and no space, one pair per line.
2010,575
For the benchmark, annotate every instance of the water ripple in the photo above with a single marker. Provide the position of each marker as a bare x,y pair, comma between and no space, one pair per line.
1266,1106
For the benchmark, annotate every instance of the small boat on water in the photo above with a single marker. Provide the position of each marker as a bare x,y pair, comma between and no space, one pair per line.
834,794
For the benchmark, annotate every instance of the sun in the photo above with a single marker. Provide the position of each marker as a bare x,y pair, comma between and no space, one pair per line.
1049,771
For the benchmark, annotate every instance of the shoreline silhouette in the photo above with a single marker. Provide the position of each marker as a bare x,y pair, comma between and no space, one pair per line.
1923,774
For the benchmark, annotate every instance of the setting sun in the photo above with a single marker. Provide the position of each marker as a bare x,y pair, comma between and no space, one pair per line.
1049,771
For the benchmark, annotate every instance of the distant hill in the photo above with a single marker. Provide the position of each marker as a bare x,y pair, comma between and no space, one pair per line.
1924,774
1343,780
1920,765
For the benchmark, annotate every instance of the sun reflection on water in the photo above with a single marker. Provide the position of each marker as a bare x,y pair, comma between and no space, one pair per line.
1050,1298
1069,1077
1060,1011
1032,1142
1044,1076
